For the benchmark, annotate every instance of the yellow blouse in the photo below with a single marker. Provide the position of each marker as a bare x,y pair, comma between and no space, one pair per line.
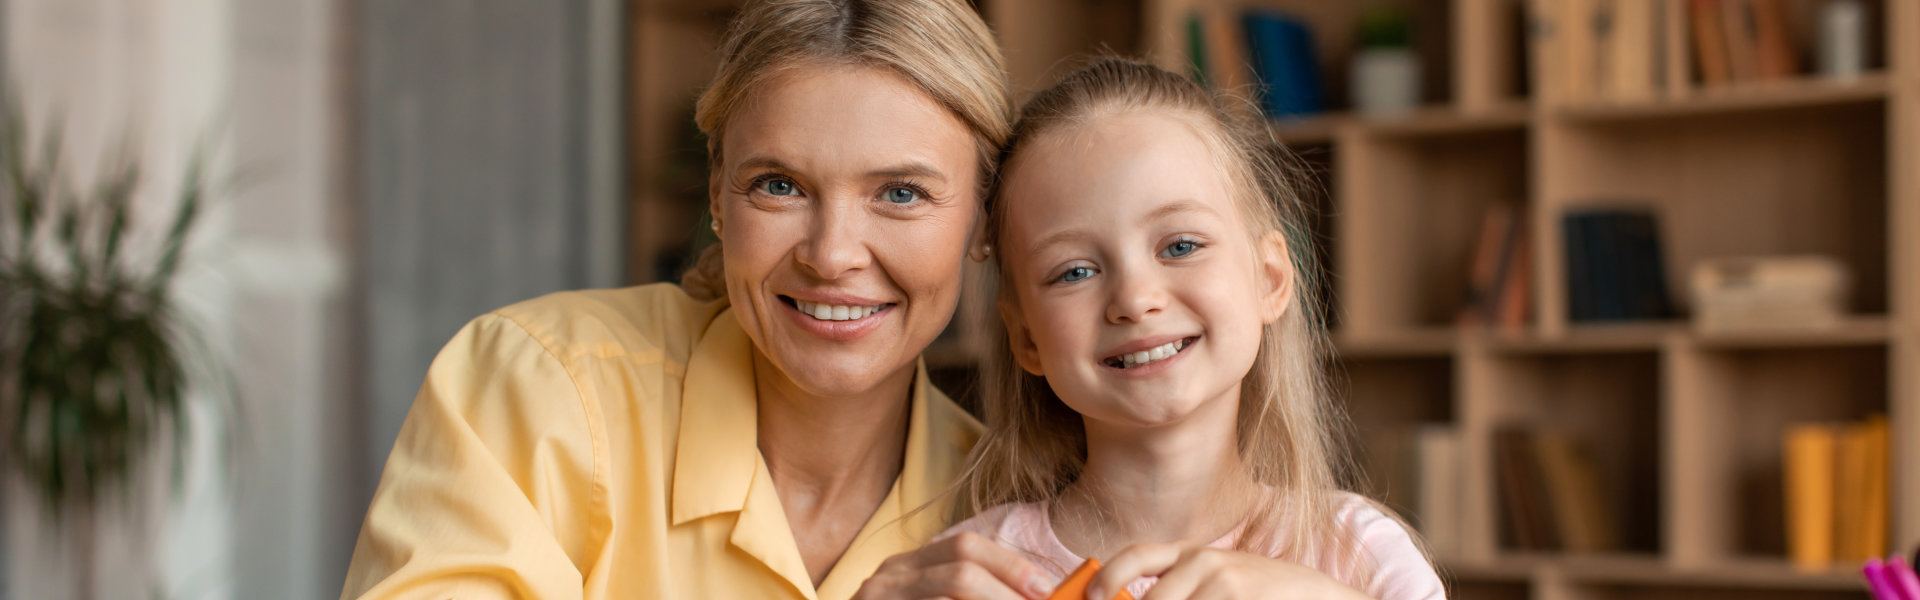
601,444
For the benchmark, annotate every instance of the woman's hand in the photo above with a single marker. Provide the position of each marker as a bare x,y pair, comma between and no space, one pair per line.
966,566
1199,572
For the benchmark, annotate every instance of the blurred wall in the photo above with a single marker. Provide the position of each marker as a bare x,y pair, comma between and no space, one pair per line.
407,166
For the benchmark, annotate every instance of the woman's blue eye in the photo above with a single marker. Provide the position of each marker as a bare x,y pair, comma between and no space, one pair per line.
1179,249
902,195
1076,274
778,187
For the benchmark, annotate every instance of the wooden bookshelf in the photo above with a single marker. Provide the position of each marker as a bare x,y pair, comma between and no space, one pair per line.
1684,425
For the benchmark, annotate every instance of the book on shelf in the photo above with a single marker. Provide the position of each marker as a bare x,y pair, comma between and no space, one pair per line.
1500,275
1769,292
1415,469
1615,266
1269,53
1629,50
1838,496
1554,497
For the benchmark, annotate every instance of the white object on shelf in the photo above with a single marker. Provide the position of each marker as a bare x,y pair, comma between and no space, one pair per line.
1385,80
1772,292
1843,44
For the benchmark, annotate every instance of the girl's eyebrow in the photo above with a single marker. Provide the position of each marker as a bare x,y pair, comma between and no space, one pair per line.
1183,205
1174,207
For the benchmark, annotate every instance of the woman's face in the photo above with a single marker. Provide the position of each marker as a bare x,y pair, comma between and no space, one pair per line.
845,201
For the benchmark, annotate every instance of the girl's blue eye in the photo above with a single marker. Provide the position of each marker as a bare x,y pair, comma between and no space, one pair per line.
777,187
1076,274
902,195
1179,249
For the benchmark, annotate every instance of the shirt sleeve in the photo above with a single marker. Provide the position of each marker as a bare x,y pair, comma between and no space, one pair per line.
1401,570
489,490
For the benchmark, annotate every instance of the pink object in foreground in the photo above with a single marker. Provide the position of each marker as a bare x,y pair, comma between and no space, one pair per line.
1877,583
1901,576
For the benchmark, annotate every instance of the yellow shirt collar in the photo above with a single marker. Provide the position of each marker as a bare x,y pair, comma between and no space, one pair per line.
717,465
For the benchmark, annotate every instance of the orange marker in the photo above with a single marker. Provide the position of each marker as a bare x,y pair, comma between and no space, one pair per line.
1075,587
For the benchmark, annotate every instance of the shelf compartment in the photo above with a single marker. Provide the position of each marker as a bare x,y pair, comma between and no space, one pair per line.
1608,402
1810,181
1411,214
1729,409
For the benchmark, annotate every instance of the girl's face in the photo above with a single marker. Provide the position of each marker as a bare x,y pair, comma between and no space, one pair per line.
1137,291
845,200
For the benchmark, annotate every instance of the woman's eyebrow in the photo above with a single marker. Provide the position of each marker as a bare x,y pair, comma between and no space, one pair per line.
763,162
913,168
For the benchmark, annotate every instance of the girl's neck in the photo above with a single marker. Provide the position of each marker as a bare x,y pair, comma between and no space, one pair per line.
1180,482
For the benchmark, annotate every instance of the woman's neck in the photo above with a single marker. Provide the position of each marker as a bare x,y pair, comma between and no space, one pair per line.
833,459
827,443
1180,482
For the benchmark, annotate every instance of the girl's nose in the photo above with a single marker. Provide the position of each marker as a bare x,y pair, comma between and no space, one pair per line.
1135,297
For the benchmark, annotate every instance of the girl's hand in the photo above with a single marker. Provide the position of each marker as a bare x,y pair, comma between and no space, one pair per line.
1199,572
966,566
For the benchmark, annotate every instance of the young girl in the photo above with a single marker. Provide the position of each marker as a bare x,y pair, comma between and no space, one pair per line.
1158,401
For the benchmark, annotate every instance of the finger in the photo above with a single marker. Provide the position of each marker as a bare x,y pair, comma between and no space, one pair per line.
960,581
1194,569
1136,561
1013,571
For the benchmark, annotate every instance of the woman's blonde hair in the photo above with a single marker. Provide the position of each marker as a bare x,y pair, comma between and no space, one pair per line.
941,46
1289,433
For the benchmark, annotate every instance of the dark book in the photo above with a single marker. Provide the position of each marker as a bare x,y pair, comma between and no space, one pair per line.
1647,296
1288,72
1579,295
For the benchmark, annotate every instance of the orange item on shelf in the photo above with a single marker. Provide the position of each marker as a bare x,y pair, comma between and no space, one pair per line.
1075,587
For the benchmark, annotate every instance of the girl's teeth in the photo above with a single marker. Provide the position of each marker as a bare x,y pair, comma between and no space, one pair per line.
1161,352
828,312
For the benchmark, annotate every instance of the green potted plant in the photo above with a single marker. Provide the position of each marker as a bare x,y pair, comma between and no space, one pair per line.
96,359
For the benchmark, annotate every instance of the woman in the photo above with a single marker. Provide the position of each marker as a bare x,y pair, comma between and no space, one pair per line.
768,431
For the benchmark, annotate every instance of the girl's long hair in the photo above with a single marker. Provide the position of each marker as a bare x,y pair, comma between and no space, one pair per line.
1290,434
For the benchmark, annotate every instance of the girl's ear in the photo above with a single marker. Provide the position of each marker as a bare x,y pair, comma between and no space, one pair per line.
1276,281
1018,340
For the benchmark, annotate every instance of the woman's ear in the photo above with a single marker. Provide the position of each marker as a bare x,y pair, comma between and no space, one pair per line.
1018,339
1276,281
713,199
977,249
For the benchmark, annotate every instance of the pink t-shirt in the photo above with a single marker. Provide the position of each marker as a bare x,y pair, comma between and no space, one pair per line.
1400,571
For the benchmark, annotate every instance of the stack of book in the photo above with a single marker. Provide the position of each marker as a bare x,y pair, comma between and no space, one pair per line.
1775,292
1615,268
1553,494
1837,492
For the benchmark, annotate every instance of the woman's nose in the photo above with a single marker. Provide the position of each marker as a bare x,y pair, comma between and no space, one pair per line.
1135,297
836,244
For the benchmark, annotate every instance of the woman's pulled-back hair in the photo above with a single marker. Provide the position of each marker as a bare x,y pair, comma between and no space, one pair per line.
1289,433
941,46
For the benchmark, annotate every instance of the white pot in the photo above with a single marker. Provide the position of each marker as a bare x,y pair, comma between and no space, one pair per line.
1385,80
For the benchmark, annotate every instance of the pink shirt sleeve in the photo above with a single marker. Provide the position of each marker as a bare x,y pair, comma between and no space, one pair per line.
1401,571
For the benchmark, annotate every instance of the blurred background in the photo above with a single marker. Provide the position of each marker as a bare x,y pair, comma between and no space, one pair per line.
1624,294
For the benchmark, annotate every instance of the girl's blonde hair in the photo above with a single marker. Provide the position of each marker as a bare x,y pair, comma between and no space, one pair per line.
942,46
1289,434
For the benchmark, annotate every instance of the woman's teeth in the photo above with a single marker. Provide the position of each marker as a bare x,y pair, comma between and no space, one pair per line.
828,312
1161,352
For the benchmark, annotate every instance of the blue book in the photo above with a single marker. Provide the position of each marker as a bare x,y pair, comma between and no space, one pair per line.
1281,50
